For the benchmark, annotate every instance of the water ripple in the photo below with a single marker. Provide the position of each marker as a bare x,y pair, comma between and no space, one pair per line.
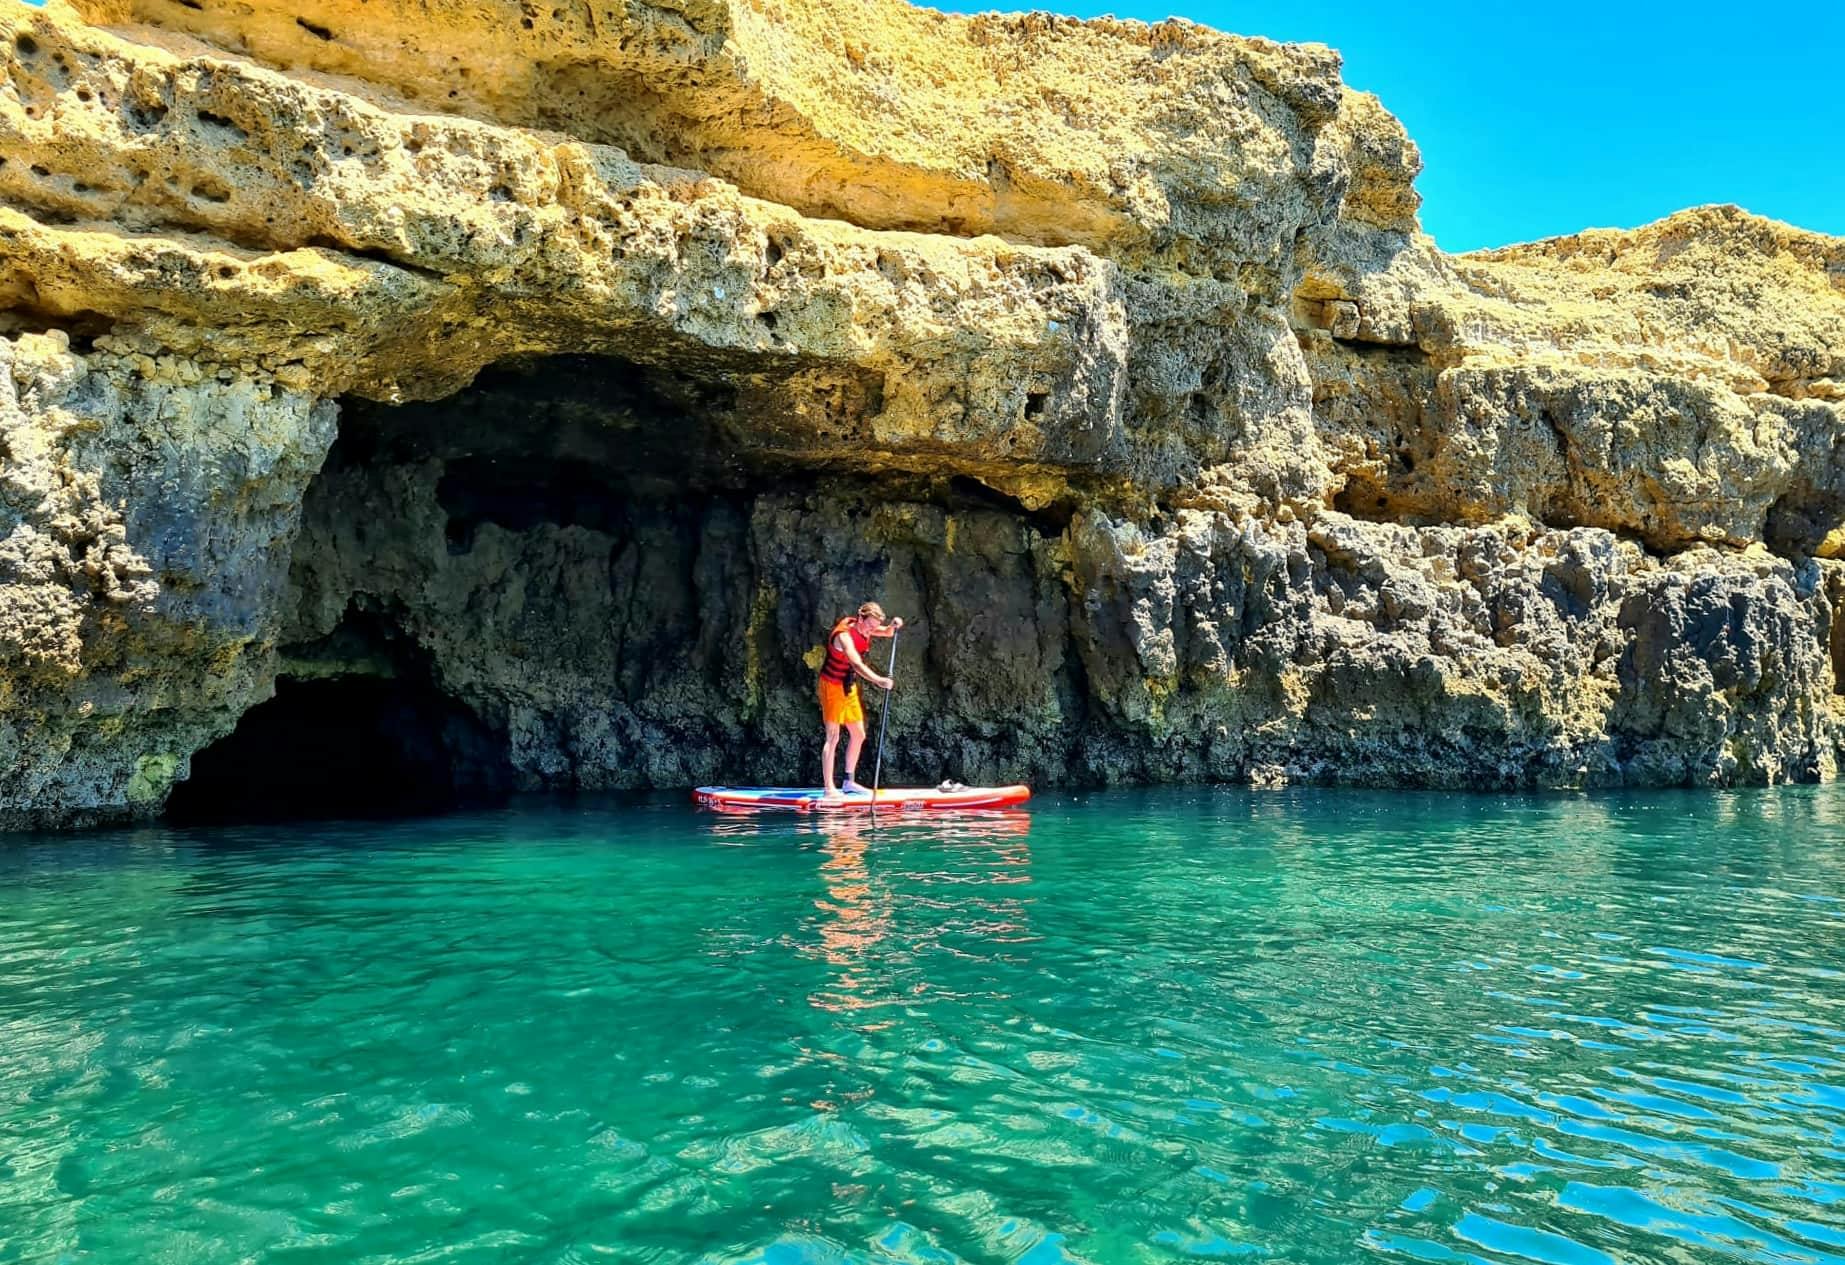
1296,1027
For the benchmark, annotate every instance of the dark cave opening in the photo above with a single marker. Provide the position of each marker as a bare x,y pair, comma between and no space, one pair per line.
351,747
583,574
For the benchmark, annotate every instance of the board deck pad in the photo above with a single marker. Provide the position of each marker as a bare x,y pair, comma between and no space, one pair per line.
809,798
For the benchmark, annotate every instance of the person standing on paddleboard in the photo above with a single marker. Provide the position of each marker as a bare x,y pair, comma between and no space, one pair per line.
846,647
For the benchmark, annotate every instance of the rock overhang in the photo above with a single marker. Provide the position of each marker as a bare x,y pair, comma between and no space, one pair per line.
1152,279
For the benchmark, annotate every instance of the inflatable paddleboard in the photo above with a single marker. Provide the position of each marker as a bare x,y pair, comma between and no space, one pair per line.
808,799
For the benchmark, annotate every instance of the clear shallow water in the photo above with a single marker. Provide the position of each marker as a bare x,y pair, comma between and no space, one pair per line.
1127,1027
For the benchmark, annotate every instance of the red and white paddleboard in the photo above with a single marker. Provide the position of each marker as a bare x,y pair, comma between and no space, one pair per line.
809,799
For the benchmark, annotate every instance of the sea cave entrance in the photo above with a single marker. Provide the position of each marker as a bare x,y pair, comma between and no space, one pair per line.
530,585
584,574
347,747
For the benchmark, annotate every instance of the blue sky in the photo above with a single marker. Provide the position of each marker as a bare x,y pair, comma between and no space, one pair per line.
1540,119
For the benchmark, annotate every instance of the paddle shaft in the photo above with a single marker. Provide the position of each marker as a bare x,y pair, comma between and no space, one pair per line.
877,768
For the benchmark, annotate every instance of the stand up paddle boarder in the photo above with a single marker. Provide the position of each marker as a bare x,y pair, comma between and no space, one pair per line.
846,647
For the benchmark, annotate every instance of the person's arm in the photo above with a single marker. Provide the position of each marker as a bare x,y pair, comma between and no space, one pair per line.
844,642
890,629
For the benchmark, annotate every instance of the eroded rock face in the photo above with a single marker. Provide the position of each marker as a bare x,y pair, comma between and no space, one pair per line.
546,381
1498,656
147,518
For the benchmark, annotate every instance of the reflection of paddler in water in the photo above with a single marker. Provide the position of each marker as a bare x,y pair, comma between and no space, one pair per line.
877,963
855,915
838,690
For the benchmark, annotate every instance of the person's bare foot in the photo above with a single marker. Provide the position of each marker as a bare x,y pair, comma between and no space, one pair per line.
853,788
831,796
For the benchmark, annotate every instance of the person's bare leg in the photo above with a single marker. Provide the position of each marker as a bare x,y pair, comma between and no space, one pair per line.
829,753
855,743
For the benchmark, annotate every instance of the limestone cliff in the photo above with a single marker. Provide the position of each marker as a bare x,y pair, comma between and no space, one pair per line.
524,389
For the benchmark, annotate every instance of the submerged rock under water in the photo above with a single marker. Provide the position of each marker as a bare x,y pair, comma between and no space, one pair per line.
565,397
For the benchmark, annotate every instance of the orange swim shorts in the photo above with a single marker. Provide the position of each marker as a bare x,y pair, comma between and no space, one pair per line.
839,704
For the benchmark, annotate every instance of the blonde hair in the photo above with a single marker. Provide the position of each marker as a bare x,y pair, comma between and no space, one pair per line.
871,610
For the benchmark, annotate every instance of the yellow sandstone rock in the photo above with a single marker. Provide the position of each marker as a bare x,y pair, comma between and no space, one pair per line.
1110,350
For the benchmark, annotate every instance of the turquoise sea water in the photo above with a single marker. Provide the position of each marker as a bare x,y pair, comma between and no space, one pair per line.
1304,1027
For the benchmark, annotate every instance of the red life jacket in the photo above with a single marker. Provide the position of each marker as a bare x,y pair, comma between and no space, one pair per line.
837,667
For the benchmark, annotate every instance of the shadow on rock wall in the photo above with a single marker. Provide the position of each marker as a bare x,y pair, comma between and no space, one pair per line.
573,556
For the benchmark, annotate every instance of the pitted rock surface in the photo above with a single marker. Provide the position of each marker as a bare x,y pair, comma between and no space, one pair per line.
574,368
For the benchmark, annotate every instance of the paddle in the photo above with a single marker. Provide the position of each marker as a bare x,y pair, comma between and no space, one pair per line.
877,768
